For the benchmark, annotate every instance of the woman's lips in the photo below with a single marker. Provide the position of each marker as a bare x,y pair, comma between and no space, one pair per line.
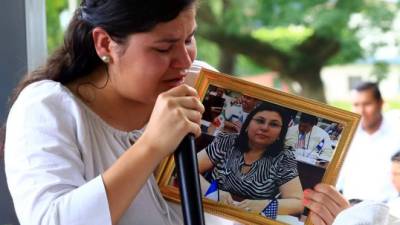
177,78
263,136
175,81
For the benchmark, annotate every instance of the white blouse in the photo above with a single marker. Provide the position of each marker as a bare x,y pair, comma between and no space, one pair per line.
55,152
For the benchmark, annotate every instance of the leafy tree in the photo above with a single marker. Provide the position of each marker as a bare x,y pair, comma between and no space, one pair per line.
293,37
54,31
380,71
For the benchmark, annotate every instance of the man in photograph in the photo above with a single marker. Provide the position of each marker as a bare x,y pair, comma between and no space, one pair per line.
213,103
365,174
308,140
233,114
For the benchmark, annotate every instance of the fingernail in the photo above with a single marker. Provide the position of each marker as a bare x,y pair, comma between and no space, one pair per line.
306,201
307,192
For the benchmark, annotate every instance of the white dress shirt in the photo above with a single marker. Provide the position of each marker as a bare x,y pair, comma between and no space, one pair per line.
394,206
366,213
312,139
55,151
366,170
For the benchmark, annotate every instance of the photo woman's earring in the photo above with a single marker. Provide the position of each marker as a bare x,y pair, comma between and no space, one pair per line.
105,59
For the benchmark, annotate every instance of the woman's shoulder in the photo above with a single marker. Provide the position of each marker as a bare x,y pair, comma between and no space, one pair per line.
223,142
226,136
42,98
43,89
286,154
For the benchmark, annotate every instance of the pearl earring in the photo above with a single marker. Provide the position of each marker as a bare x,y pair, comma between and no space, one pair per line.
105,59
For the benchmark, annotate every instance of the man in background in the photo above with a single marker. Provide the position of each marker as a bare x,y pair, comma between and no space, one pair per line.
365,174
394,203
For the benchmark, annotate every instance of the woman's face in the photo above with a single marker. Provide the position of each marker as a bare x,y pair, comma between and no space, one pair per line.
152,62
264,129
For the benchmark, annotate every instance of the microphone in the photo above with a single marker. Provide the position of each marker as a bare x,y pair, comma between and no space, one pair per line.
189,182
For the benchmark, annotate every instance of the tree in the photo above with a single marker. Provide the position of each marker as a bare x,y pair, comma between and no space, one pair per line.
54,31
293,37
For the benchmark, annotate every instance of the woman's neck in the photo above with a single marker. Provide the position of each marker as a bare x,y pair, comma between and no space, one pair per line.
119,112
253,155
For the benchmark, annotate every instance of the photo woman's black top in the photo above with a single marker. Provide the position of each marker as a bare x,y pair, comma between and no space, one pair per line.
263,179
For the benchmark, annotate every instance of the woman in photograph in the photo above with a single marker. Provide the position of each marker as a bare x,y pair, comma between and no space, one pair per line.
253,167
88,129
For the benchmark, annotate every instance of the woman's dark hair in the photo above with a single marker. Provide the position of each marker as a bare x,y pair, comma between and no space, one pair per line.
77,57
276,147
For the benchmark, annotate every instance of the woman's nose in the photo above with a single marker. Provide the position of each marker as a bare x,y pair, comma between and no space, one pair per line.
183,59
265,126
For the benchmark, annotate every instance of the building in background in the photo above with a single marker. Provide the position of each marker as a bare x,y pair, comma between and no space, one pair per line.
339,80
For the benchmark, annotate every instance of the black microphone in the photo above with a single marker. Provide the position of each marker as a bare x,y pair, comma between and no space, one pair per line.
189,182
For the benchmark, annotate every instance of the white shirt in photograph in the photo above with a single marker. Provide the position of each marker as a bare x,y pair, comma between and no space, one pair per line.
317,143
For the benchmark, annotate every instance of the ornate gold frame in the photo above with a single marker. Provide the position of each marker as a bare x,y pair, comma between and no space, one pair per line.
205,79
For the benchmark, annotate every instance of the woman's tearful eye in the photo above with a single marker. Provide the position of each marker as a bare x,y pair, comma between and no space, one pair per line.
163,50
189,40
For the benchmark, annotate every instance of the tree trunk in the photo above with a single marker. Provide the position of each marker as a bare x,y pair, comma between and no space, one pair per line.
227,61
312,88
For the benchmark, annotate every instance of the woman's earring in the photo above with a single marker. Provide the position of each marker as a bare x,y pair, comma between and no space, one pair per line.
105,59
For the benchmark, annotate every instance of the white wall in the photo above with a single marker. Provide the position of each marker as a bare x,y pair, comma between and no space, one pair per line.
337,86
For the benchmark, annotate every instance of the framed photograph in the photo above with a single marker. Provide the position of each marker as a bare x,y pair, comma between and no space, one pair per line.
260,148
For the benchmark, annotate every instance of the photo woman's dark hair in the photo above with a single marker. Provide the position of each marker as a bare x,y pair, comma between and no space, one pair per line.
77,57
278,145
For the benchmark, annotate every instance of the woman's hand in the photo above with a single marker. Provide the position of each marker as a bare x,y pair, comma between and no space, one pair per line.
176,113
225,197
325,203
253,205
232,127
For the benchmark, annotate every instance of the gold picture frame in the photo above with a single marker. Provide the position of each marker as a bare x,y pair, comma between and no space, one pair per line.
311,170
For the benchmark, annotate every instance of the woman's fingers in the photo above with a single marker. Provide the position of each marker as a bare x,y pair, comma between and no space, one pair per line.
324,200
319,209
183,102
182,90
190,102
176,113
189,120
330,191
243,204
330,197
316,219
325,203
195,129
226,198
246,205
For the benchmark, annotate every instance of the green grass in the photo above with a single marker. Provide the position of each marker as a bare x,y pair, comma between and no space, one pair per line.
346,105
393,104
